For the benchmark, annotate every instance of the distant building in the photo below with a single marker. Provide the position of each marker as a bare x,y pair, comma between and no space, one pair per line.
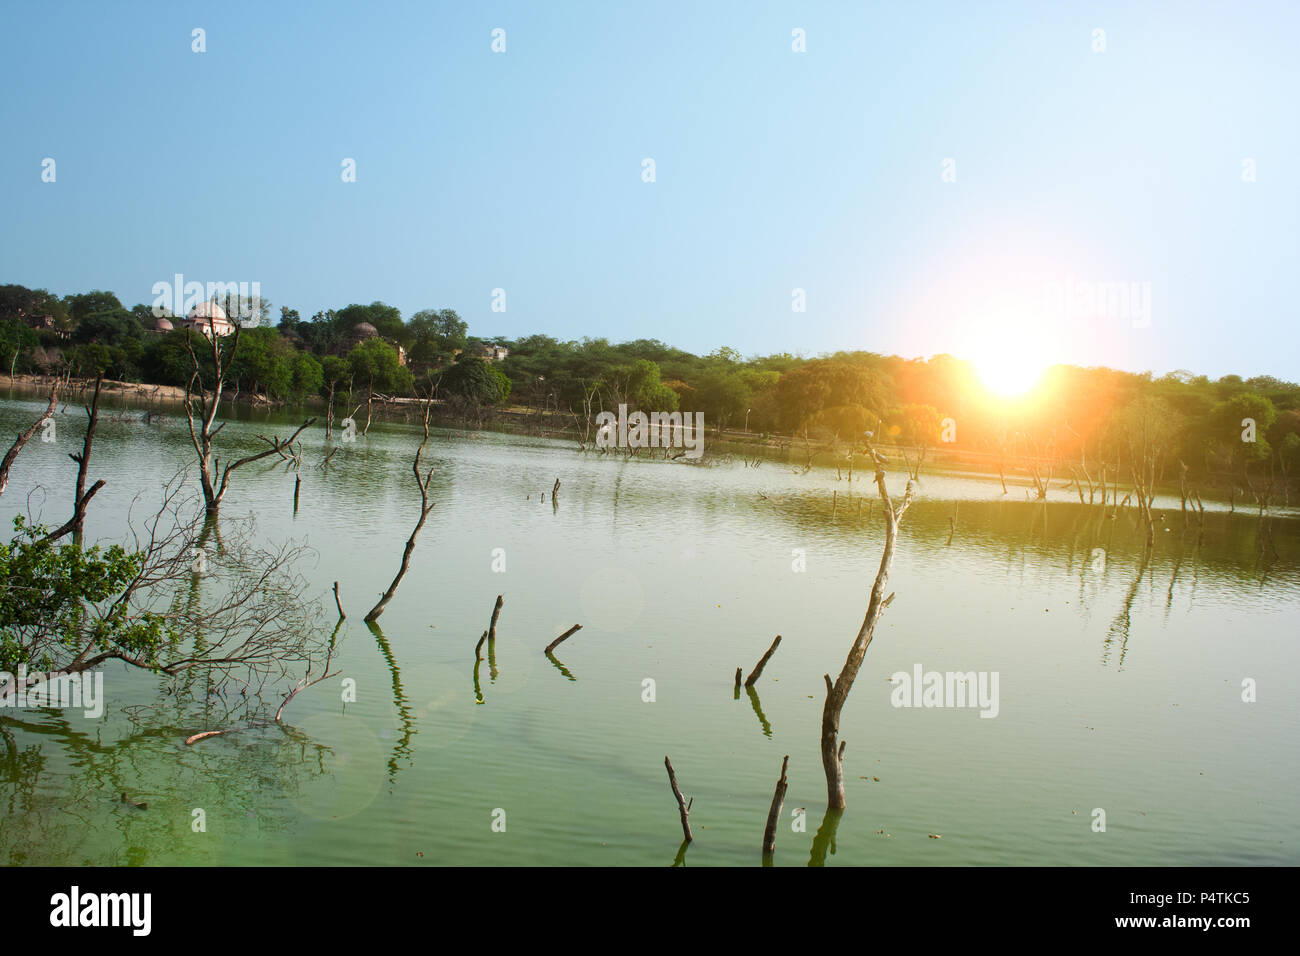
493,353
363,331
161,325
210,319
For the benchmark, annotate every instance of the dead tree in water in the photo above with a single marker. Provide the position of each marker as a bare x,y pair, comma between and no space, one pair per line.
757,672
683,808
24,437
212,477
562,638
837,693
774,811
1040,483
81,499
1143,465
425,507
496,613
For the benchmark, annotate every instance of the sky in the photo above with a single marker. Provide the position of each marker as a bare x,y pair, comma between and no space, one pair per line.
971,178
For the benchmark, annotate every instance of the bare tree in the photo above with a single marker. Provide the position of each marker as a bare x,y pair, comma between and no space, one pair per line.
81,499
256,629
774,811
423,482
24,437
1142,462
837,693
214,479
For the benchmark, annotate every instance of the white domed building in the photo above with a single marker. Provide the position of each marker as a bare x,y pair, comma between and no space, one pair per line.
210,319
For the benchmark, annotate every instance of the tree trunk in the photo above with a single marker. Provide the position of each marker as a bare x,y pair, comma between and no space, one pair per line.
837,693
774,811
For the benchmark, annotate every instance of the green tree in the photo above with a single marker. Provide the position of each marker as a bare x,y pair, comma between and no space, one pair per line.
640,386
375,363
918,425
475,381
15,339
308,374
439,330
264,362
111,327
85,304
1236,418
824,383
55,598
20,302
385,318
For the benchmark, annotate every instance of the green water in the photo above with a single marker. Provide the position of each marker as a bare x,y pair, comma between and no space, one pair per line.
1120,682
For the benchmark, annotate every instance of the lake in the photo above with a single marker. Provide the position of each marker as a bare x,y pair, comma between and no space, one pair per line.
1120,682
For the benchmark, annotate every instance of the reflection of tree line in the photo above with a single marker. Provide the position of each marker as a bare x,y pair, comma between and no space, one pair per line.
1063,530
56,832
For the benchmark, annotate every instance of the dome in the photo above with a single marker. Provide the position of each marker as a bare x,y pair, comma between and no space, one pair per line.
161,324
208,309
364,330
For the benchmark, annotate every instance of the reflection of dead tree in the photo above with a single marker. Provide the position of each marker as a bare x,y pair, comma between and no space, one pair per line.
774,811
754,702
425,507
838,692
1120,627
213,478
306,681
824,841
258,627
24,437
1263,495
402,745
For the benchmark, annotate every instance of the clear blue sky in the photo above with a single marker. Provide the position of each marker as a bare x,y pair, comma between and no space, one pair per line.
775,170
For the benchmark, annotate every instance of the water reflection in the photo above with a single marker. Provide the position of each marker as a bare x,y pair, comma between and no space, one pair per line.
688,562
559,666
402,745
758,711
824,841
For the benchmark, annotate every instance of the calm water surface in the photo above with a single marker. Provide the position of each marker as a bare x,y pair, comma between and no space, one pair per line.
1120,683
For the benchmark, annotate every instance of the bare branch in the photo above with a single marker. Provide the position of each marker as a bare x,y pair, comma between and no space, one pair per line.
24,437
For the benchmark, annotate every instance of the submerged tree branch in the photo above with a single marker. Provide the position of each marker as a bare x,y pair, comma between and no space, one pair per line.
24,437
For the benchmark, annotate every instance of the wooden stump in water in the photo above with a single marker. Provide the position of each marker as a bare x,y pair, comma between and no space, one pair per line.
683,808
758,668
774,812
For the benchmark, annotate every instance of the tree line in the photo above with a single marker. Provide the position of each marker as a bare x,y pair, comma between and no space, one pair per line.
1081,415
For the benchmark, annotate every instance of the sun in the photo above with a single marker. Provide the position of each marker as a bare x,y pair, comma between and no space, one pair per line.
1009,373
